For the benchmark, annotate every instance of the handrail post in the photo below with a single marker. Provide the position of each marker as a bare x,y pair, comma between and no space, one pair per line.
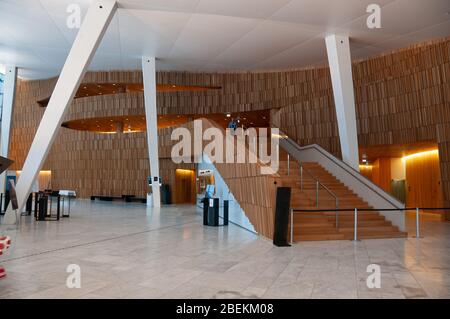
301,176
292,226
417,223
317,194
355,237
288,165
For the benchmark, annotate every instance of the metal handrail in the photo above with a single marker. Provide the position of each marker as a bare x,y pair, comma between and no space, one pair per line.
357,210
318,185
350,170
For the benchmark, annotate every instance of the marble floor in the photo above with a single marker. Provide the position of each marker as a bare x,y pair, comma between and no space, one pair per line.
130,251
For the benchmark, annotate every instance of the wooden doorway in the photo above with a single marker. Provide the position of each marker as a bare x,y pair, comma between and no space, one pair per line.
423,180
185,192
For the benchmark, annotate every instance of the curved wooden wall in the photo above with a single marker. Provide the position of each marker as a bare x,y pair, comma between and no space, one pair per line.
401,97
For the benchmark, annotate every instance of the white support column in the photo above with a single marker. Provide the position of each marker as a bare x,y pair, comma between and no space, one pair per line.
339,59
9,89
149,77
83,49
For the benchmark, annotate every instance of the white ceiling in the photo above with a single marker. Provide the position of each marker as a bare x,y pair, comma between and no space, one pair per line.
214,35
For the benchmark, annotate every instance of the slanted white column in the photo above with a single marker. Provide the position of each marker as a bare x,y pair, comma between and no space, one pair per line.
9,89
339,59
149,77
83,49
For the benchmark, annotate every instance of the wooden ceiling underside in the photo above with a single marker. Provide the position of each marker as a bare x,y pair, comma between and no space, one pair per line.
96,89
137,123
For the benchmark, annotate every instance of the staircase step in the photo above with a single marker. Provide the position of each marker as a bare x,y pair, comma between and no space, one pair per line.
318,237
369,229
348,236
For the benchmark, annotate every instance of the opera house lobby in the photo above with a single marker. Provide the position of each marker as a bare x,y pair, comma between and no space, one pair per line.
221,157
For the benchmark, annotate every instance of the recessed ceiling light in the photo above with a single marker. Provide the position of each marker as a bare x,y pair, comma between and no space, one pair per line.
114,84
228,115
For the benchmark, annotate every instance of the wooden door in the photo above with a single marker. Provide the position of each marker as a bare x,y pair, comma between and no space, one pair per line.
184,190
423,181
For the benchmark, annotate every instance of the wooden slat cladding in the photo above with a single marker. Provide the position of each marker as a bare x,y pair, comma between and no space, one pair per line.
401,98
254,191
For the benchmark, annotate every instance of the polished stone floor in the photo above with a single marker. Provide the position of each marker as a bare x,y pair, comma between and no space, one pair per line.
129,251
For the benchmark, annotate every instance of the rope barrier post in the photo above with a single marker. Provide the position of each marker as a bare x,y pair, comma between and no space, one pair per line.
288,165
417,224
355,237
337,213
317,194
301,177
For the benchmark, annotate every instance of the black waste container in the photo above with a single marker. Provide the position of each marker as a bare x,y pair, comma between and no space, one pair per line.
165,194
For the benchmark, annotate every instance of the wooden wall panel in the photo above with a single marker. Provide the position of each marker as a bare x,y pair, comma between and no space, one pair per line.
401,97
423,182
184,190
367,171
381,173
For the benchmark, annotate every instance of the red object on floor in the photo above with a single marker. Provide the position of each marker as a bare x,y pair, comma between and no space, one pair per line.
2,273
5,240
5,243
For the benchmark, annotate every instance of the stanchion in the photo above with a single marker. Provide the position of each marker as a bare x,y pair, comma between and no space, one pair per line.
417,223
355,237
288,165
